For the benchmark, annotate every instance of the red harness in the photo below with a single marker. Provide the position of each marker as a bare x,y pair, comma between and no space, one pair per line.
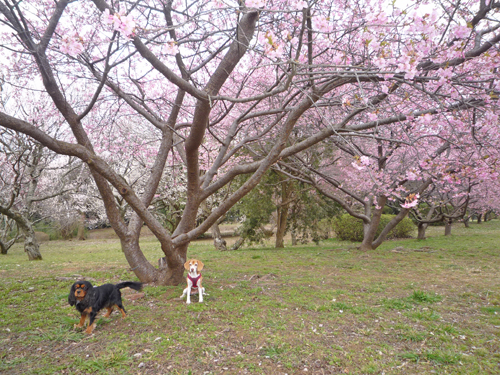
194,281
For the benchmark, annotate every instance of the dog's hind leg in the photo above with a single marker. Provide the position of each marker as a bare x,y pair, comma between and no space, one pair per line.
108,313
121,309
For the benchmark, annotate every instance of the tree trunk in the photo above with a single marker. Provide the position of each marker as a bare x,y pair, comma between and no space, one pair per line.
142,268
447,227
421,231
31,246
219,242
370,229
3,248
281,228
294,237
466,222
81,227
6,245
366,244
238,244
479,217
282,212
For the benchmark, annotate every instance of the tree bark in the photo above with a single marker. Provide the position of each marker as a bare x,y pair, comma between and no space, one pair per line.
219,242
5,244
370,228
294,237
421,231
81,227
238,244
282,214
31,246
447,227
466,222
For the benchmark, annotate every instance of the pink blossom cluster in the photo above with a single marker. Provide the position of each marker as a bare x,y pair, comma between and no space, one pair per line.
121,22
171,48
255,3
361,163
411,201
71,45
273,46
300,4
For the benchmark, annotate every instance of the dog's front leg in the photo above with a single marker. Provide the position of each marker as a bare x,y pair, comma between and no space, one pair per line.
188,299
82,320
187,291
91,326
201,290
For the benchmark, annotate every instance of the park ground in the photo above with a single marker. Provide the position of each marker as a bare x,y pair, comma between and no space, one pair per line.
409,307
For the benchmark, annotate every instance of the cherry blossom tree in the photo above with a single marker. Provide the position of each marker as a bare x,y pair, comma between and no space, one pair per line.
28,180
232,87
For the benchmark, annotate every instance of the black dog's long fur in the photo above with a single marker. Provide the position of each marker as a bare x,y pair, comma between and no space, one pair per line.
89,300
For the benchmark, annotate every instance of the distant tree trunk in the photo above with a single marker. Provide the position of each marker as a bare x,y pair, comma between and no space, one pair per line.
31,246
238,244
294,237
5,246
7,228
479,218
281,229
487,216
447,227
282,211
81,227
466,221
421,231
219,242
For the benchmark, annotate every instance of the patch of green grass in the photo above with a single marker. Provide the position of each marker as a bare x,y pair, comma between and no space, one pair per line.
101,364
421,296
491,309
443,357
396,303
439,357
425,315
410,356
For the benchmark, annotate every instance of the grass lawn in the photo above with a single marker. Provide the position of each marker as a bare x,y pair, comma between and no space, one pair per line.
409,307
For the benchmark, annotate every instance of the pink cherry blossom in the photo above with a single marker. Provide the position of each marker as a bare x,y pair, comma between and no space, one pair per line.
255,3
411,201
71,45
300,4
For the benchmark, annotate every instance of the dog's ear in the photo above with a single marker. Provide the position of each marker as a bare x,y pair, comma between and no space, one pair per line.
200,265
186,265
71,297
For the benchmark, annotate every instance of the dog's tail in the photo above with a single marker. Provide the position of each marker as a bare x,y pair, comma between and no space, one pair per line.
130,284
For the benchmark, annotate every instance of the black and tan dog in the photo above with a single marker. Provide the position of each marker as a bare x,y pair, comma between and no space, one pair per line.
89,300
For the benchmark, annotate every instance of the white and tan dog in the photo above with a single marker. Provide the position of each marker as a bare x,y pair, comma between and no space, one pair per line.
194,278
